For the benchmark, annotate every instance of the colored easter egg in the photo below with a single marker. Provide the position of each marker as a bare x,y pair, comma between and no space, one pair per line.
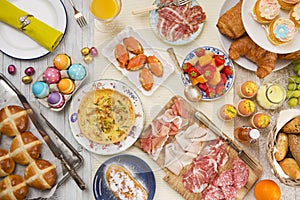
55,99
29,71
77,72
40,89
62,61
51,75
12,69
66,86
26,79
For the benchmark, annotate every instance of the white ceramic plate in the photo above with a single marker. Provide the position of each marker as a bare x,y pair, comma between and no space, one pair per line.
153,23
133,76
107,149
18,45
259,35
242,61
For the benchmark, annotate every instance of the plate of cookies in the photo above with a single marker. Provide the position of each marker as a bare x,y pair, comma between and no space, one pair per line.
106,116
272,25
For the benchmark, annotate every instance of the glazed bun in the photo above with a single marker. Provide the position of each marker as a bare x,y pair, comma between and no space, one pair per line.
7,164
40,174
13,187
265,11
13,120
295,15
287,4
25,148
281,31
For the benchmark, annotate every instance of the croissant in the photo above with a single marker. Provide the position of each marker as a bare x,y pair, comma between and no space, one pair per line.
13,187
264,59
40,174
290,56
13,120
230,23
7,164
25,148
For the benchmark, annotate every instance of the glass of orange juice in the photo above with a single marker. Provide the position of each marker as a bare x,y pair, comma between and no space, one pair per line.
105,11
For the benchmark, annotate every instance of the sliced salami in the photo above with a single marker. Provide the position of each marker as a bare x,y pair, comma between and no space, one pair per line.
229,192
224,179
240,173
212,193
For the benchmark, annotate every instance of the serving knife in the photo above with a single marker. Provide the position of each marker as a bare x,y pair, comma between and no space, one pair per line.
55,150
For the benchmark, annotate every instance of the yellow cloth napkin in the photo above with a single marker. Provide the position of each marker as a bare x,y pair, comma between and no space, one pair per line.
37,30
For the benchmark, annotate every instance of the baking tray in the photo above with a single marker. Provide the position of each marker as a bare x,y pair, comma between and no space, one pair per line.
9,97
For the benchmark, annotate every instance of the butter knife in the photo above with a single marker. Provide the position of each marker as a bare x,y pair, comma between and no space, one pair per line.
244,156
55,150
150,8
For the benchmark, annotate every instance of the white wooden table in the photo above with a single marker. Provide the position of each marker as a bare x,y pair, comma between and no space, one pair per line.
77,38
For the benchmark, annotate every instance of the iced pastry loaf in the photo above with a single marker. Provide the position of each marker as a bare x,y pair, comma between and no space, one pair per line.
123,185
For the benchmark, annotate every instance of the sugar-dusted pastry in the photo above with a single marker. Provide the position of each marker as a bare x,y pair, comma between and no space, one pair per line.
295,15
40,174
13,120
7,164
13,187
281,31
264,59
25,148
265,11
230,23
121,55
287,4
133,45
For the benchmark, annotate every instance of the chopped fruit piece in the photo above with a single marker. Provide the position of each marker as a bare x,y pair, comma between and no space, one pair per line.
186,67
203,86
220,89
223,78
219,60
210,92
200,52
209,72
193,73
227,70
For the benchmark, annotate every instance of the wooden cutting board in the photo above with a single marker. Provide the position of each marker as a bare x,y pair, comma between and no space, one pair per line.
176,181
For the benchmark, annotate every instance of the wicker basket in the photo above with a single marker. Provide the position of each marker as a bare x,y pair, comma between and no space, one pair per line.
283,118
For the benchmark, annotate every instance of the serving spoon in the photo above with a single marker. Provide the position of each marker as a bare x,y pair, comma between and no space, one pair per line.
191,92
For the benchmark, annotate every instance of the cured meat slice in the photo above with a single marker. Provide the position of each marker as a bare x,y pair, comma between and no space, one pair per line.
229,192
212,193
224,179
240,173
195,180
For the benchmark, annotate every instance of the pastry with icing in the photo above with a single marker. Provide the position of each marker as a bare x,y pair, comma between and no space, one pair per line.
295,15
288,4
265,11
281,31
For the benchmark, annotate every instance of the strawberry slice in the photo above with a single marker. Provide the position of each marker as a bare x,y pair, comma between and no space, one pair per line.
210,92
193,72
219,60
209,71
220,89
227,70
186,67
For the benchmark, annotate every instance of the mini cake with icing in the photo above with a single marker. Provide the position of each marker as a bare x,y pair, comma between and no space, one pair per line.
246,107
227,112
281,31
288,4
62,61
248,89
295,15
266,10
66,86
55,100
259,120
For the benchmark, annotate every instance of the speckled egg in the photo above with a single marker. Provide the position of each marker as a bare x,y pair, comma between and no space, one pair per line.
77,72
51,75
40,89
66,86
55,99
62,61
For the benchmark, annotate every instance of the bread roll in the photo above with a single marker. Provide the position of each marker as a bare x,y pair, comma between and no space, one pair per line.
13,187
291,168
292,126
294,144
25,148
7,164
40,174
13,120
122,183
282,146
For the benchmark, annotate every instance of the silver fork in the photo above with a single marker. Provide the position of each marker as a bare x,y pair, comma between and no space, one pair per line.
78,16
241,153
160,5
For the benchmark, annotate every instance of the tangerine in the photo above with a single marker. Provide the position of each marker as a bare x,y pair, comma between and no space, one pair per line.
267,190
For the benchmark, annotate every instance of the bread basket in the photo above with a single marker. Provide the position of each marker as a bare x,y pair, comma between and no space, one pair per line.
284,117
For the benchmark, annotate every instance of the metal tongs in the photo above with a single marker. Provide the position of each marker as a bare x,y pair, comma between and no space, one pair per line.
160,5
53,147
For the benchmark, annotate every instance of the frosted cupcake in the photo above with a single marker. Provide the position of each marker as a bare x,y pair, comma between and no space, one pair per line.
265,11
281,31
227,112
246,107
259,120
295,15
287,4
248,89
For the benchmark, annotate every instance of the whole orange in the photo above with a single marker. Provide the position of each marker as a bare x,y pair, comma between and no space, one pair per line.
267,190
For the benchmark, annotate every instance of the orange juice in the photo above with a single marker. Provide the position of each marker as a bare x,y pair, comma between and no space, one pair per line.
104,9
